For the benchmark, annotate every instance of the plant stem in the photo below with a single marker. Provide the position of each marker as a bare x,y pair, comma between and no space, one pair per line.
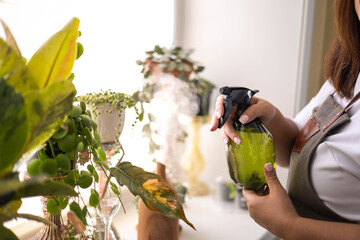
116,166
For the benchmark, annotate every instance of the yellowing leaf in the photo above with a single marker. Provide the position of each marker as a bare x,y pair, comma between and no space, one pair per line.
54,60
155,194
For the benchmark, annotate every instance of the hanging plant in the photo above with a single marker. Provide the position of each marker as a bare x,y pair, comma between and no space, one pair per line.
109,102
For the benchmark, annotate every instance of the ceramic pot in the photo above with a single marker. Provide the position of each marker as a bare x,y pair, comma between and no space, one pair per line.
110,122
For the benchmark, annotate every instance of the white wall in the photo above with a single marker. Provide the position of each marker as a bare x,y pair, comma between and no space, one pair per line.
250,43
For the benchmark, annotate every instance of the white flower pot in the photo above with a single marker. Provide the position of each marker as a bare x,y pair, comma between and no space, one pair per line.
109,124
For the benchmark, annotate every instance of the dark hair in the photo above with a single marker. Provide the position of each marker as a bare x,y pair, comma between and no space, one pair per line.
342,63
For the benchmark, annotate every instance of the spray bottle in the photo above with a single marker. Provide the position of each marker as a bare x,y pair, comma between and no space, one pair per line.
246,160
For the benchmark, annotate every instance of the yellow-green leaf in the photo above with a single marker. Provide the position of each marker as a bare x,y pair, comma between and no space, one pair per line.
10,38
154,193
48,109
13,69
54,60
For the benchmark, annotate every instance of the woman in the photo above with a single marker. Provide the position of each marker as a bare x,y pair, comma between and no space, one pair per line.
320,145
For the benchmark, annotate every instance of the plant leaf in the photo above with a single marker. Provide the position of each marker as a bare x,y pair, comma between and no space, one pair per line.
45,188
35,218
155,194
13,69
54,60
48,109
10,38
7,234
13,122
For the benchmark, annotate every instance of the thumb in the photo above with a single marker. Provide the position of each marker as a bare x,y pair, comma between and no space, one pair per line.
270,175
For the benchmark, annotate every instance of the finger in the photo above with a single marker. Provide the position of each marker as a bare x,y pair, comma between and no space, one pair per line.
250,114
270,176
249,195
225,137
229,131
214,122
219,111
219,106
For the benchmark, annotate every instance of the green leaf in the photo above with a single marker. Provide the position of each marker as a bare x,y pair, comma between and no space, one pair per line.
88,136
80,147
63,201
79,213
7,234
155,194
35,218
54,60
44,188
79,50
33,167
61,132
102,154
75,111
171,66
115,190
94,198
63,162
84,181
52,206
48,109
49,167
71,178
103,164
14,124
199,69
93,172
68,143
10,208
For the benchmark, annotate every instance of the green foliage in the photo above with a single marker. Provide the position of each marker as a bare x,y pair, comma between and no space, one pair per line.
35,98
155,194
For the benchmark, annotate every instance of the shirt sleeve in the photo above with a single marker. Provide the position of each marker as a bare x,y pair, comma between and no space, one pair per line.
304,115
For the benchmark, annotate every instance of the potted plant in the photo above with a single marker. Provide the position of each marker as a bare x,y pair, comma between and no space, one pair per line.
108,108
177,62
35,99
37,107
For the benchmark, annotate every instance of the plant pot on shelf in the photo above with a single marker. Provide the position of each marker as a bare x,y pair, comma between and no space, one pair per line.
157,69
110,121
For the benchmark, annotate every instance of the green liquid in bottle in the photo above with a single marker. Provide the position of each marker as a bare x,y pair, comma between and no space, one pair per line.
246,160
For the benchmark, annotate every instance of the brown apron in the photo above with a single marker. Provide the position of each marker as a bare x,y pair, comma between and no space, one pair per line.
327,119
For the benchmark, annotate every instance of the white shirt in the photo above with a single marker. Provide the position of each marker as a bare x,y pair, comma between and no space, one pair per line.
335,171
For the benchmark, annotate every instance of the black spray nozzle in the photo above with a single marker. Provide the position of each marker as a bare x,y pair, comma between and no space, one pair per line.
232,97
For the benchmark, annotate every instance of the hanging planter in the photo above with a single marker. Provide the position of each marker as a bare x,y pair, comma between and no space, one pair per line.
108,109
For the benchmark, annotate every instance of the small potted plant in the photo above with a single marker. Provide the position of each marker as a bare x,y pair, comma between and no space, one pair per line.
177,62
108,108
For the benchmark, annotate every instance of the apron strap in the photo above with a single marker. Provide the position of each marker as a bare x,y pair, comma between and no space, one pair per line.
345,109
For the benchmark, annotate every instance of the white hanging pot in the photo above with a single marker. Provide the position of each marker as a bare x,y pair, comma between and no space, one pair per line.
110,122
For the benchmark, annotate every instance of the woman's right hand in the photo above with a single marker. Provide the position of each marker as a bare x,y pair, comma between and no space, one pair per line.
259,108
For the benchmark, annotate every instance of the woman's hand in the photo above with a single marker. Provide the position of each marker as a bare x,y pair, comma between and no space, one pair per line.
259,108
273,211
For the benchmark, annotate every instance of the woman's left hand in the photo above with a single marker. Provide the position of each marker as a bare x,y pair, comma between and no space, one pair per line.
273,211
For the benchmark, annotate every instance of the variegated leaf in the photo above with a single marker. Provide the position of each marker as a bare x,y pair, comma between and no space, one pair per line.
154,193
